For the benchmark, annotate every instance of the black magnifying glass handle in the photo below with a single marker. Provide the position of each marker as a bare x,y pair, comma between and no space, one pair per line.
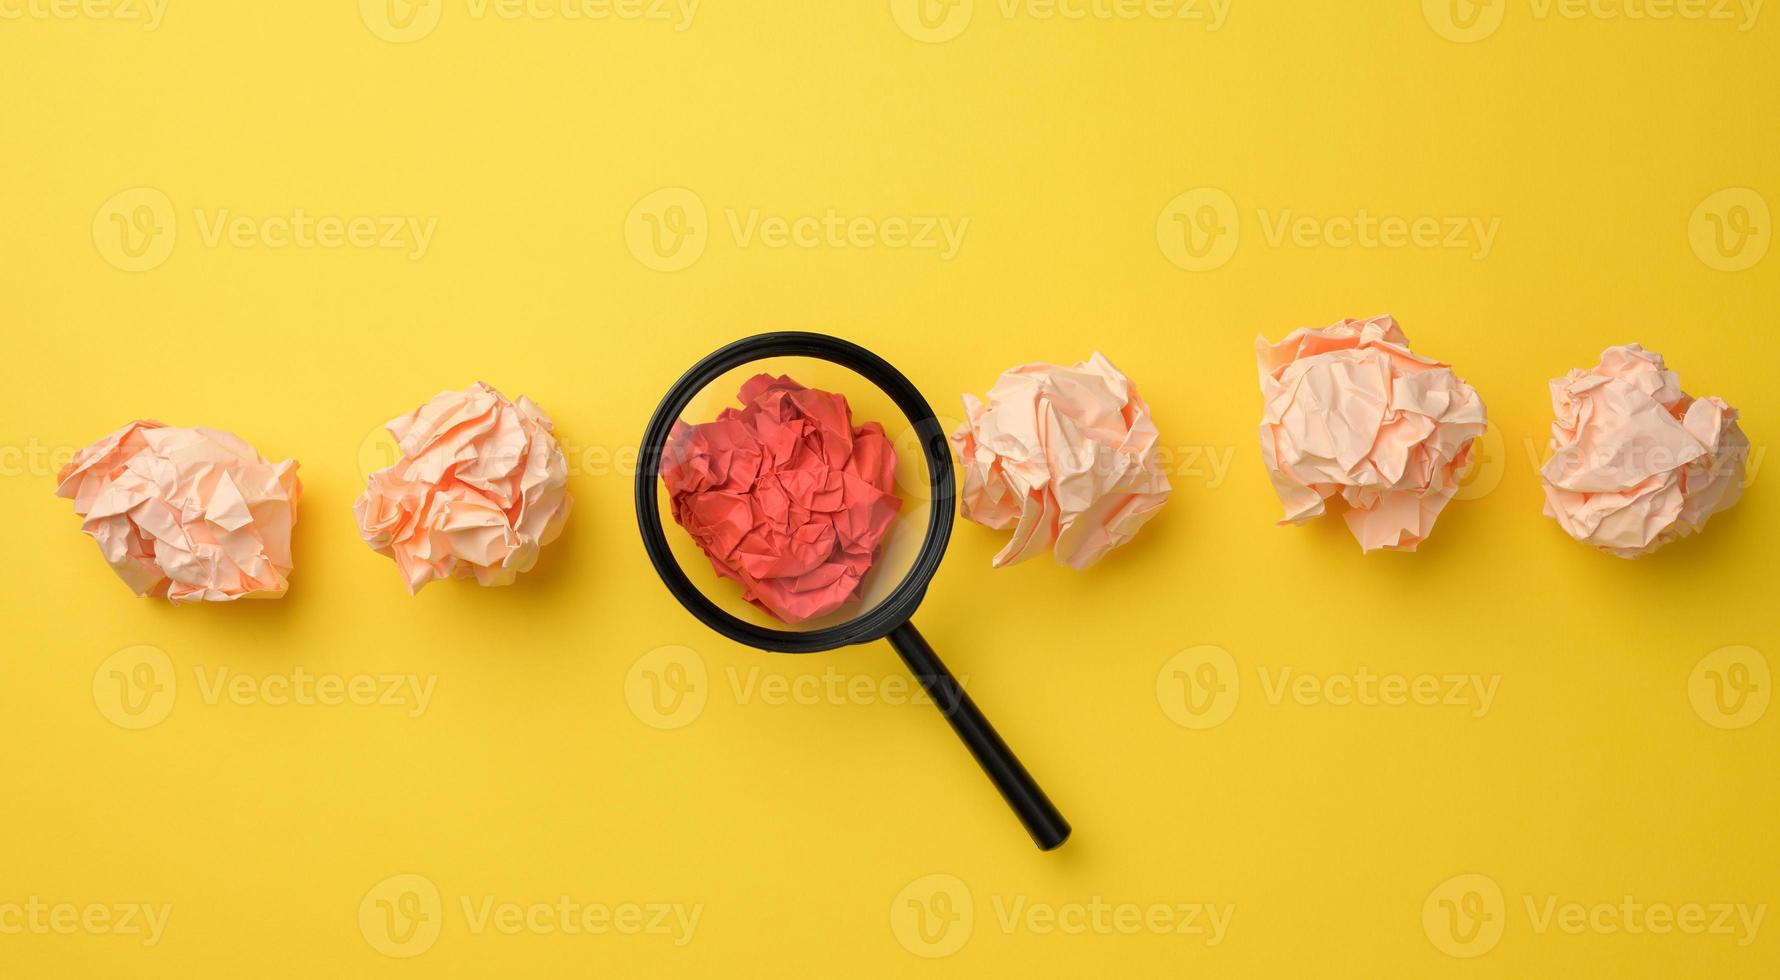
1031,805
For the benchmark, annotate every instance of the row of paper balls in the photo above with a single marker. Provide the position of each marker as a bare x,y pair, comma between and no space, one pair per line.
1067,456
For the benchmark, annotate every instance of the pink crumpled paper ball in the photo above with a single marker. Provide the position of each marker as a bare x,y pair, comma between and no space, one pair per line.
785,495
481,487
1636,462
1066,456
1349,410
194,514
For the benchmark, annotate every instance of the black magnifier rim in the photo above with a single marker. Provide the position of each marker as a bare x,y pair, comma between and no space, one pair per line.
874,623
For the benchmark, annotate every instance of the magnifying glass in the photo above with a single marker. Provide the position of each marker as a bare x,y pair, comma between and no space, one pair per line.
809,609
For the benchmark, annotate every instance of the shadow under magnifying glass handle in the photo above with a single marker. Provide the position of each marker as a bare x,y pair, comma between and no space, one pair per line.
1030,804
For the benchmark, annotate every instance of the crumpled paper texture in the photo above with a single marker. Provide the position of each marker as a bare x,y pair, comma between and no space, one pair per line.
192,514
1350,410
481,487
785,495
1636,462
1066,456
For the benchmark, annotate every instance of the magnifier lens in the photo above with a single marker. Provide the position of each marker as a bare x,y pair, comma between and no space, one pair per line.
797,510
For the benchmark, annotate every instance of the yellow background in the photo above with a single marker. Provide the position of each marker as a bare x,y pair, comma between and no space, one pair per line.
797,828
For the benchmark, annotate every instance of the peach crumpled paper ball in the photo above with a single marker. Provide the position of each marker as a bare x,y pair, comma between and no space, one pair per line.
195,514
481,486
1350,410
785,495
1636,462
1066,456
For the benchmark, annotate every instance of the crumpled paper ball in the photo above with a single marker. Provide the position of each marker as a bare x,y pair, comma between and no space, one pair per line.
481,486
1636,462
1066,456
785,495
1349,409
195,515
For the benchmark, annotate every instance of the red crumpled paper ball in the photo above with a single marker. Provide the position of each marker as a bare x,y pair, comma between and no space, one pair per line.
785,495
